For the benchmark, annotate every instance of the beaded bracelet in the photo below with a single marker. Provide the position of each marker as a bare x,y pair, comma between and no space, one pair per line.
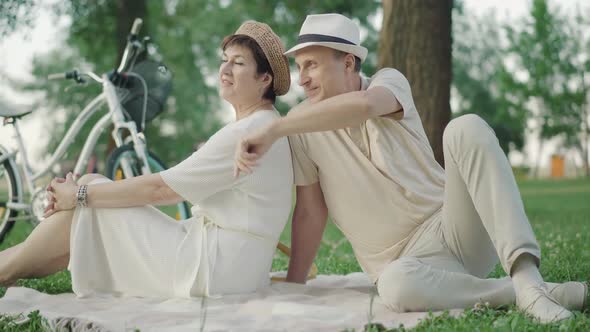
82,196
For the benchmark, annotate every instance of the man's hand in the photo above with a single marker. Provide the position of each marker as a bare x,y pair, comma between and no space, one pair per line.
252,147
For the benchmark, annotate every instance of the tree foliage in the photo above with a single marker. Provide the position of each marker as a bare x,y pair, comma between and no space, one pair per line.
482,83
15,14
552,58
187,35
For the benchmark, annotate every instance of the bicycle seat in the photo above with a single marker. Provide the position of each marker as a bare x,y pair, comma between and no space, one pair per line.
14,112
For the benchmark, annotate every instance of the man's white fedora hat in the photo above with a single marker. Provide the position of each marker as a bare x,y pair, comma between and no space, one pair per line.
330,30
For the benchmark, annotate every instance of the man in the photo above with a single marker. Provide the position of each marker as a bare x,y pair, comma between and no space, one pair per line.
427,237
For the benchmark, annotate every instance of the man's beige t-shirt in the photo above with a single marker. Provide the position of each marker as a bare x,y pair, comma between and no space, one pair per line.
380,180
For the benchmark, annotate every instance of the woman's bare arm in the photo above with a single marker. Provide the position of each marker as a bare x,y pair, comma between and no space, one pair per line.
137,191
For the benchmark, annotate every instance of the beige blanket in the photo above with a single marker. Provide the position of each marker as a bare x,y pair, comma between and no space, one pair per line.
327,303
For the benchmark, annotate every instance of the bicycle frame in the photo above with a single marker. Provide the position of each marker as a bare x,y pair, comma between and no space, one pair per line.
115,115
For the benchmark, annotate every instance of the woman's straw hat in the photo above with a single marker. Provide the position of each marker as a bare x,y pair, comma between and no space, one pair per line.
273,49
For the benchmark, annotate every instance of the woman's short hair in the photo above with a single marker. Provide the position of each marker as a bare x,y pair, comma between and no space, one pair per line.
262,64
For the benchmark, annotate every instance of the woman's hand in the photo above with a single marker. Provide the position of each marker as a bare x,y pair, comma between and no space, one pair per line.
62,195
252,147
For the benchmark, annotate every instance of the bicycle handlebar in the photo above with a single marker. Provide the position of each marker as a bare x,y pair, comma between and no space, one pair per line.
131,46
58,76
131,43
136,26
74,74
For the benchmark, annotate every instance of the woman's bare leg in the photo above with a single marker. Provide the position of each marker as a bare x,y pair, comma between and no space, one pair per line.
42,253
4,254
45,251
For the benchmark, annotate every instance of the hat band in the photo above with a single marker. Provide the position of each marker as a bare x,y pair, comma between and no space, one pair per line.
312,37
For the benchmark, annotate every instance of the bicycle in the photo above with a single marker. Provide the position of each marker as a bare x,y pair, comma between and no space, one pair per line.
130,158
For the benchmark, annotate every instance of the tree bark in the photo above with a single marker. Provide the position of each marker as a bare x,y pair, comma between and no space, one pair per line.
415,39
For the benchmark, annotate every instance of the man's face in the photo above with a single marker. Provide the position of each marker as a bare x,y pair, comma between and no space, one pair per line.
321,74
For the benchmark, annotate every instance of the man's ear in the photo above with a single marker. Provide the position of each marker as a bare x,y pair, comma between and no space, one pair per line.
349,62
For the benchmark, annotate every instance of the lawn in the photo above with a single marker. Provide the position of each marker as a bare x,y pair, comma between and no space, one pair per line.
558,210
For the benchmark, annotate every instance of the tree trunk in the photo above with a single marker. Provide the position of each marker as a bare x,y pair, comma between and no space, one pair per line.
538,161
585,141
586,147
415,38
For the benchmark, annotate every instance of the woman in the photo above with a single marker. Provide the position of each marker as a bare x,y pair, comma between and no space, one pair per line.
112,240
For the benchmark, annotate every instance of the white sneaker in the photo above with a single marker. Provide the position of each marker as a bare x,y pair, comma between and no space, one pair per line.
539,303
572,295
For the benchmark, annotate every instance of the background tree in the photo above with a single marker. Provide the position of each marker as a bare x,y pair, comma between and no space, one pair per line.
575,117
15,14
547,76
481,82
187,35
415,38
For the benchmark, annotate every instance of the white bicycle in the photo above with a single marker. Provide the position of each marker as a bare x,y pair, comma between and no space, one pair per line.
134,94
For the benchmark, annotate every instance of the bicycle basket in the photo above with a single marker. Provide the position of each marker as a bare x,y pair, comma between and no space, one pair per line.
159,83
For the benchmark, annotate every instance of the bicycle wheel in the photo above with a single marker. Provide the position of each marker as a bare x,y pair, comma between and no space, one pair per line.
8,193
114,171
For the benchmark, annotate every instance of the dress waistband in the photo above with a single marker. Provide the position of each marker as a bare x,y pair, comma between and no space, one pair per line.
208,223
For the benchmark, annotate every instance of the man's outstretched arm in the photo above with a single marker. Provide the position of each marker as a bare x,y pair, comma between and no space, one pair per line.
341,111
307,227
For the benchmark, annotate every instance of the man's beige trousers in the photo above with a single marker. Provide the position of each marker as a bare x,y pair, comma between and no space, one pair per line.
482,220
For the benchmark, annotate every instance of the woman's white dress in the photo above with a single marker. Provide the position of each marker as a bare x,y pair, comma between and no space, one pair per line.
226,247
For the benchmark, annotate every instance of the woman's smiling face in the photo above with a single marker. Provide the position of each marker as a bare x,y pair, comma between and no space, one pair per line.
239,81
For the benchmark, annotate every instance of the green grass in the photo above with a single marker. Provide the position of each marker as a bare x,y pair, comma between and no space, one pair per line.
558,210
